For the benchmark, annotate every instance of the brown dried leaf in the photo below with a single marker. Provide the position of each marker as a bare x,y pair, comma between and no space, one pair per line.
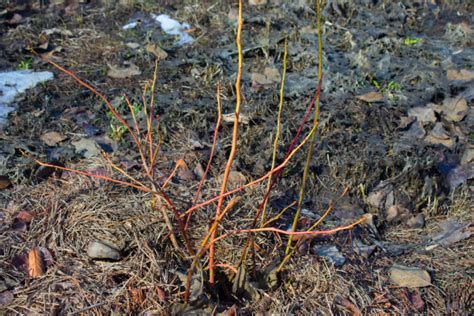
6,298
156,50
36,266
371,97
118,72
161,294
423,114
24,216
452,233
15,20
354,310
87,147
185,175
258,2
199,170
405,121
417,301
52,138
232,311
4,182
137,295
439,136
230,118
235,180
455,109
463,74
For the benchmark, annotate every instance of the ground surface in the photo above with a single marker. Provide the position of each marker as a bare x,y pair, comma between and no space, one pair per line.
404,152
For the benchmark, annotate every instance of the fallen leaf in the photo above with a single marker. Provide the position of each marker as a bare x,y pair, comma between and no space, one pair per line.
330,253
132,45
56,30
272,74
20,262
236,179
185,175
381,197
354,310
467,156
417,301
19,225
417,221
459,175
199,170
44,172
137,295
230,118
268,79
87,147
409,276
52,138
405,121
156,50
423,114
161,294
258,2
4,182
232,311
462,75
439,136
396,213
451,233
118,72
362,249
455,109
371,97
15,20
242,285
36,266
47,257
416,131
24,216
6,297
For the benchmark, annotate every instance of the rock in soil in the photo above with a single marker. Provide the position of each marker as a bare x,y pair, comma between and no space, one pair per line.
99,250
409,276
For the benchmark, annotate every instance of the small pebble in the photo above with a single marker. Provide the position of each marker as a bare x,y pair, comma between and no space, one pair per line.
99,250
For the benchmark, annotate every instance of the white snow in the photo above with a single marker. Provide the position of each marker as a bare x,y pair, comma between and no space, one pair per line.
173,27
13,83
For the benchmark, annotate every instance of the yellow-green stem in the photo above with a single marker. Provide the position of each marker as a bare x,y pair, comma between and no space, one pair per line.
313,136
277,134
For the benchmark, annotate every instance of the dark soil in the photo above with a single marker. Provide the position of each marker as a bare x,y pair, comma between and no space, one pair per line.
397,167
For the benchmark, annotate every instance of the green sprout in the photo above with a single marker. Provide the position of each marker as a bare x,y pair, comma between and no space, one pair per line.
376,84
383,87
25,64
411,41
471,137
393,86
117,128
